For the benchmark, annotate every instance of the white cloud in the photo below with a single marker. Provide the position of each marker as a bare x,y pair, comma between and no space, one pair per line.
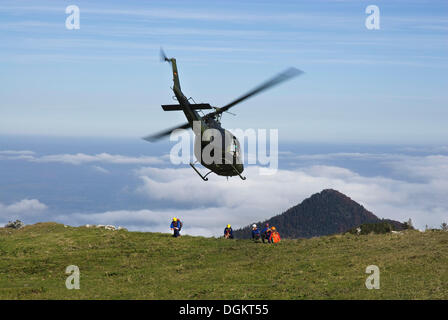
183,14
80,158
426,149
16,155
347,155
100,169
21,209
16,152
430,168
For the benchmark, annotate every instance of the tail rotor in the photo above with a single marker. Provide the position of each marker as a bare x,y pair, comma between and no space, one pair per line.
163,56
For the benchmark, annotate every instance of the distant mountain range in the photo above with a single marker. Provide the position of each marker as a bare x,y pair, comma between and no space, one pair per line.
324,213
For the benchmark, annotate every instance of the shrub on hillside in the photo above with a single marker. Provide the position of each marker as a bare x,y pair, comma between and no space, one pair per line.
408,225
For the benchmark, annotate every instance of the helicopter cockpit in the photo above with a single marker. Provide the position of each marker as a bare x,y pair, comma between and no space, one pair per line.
235,150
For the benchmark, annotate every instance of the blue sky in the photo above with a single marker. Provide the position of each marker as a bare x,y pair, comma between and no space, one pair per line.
105,79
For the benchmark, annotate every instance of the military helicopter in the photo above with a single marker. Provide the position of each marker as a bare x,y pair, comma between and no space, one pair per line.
224,156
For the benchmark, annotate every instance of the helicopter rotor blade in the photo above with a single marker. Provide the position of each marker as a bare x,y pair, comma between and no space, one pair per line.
285,75
163,56
164,133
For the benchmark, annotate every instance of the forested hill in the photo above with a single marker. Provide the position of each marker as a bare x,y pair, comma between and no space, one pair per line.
324,213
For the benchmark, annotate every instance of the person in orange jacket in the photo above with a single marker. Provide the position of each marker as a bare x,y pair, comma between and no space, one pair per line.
275,236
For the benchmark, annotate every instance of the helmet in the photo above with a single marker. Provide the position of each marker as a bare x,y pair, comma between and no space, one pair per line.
228,226
254,225
273,228
174,219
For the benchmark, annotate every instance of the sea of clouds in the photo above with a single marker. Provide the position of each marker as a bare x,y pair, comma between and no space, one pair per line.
413,184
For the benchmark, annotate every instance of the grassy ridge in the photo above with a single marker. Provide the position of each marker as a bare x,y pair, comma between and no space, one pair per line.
135,265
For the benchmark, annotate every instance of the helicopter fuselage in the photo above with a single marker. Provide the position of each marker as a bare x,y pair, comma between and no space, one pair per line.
215,148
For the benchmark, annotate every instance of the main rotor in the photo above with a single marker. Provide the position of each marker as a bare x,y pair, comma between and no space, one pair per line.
218,111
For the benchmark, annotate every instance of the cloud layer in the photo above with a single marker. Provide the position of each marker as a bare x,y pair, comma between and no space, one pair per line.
214,204
79,158
413,186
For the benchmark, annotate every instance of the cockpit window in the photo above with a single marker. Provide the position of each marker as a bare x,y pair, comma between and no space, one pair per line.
235,148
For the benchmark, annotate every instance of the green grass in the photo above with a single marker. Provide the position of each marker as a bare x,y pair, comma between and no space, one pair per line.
136,265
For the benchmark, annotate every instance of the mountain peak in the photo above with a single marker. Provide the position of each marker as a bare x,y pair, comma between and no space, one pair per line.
331,193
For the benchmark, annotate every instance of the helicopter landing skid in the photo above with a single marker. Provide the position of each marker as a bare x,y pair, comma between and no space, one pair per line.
203,177
242,178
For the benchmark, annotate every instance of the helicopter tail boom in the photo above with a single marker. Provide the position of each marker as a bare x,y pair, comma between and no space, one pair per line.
172,61
175,74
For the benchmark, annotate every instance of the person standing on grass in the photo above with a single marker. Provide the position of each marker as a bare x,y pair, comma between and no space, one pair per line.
176,226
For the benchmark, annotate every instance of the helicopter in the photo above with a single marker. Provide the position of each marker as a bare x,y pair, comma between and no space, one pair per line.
216,148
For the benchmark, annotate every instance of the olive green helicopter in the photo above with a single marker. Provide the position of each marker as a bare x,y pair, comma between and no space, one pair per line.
224,156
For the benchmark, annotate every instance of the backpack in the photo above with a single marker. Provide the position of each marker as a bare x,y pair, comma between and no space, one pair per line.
180,224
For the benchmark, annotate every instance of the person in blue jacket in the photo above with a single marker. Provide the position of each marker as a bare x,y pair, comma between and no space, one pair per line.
228,232
176,226
255,232
266,233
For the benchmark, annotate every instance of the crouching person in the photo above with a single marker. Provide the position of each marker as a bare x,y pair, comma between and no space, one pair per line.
266,233
255,233
275,236
228,232
176,226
